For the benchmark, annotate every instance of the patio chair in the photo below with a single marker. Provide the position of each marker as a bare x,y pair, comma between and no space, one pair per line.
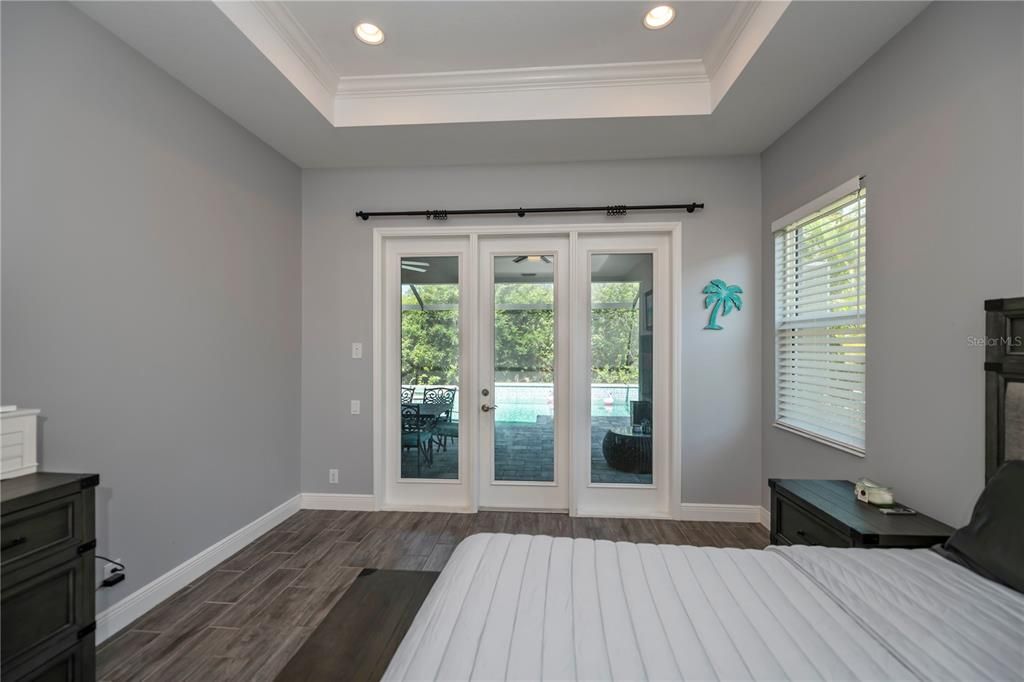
407,394
445,430
414,427
442,395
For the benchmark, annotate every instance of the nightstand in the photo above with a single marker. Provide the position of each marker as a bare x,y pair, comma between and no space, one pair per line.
826,513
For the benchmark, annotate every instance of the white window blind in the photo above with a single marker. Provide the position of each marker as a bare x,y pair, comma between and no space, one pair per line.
820,328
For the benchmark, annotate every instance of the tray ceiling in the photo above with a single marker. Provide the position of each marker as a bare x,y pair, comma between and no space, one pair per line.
507,82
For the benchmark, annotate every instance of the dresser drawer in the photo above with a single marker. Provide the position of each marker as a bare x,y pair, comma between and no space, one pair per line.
34,532
76,663
797,527
45,610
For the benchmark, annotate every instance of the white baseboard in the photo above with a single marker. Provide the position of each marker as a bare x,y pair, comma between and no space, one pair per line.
339,502
613,513
766,518
734,513
121,614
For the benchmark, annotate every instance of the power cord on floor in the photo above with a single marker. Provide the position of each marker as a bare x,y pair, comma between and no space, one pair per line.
116,576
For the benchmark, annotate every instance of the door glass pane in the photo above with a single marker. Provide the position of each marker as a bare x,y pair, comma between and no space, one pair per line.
621,373
524,368
430,367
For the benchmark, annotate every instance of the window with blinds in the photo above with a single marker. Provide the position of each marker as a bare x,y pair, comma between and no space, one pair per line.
820,328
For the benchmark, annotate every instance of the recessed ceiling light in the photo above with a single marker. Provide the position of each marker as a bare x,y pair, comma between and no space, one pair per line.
659,17
371,33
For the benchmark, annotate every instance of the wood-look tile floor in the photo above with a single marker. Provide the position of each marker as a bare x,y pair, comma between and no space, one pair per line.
247,617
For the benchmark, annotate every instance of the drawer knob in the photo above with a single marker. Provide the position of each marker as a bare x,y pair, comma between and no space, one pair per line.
14,543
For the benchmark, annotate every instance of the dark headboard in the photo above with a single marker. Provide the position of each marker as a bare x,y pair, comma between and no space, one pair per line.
1004,382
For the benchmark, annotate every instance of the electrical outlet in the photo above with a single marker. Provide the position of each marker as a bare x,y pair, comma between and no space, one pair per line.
332,475
111,568
357,350
355,406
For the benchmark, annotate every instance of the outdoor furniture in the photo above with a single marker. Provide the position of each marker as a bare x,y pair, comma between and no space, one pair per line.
627,450
640,411
417,423
445,430
407,393
442,395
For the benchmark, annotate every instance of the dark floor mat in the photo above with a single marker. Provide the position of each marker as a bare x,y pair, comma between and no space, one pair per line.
361,633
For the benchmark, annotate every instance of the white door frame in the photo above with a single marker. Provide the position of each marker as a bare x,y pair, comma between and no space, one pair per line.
381,234
524,495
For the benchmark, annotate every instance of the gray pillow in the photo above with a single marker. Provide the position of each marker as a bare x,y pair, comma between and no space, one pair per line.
992,544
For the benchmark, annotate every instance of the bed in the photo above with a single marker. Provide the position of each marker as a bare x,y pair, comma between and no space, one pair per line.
534,607
522,607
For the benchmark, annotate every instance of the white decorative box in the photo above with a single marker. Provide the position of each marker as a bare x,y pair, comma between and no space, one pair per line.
19,443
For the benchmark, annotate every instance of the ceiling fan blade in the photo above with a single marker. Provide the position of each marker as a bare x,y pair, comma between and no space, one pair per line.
416,262
519,259
546,259
414,269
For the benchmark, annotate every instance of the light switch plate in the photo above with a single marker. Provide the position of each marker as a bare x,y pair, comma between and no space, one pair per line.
355,406
357,350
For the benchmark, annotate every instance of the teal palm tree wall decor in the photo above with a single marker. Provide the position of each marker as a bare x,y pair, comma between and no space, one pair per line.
721,298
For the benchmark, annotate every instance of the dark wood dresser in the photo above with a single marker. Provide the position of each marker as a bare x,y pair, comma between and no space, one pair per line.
827,513
47,570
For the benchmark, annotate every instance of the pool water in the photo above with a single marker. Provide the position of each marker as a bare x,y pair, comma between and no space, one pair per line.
524,403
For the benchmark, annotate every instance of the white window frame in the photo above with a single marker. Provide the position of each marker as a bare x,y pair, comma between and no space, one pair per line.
787,223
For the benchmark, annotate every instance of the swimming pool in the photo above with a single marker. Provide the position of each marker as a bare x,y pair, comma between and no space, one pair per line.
525,403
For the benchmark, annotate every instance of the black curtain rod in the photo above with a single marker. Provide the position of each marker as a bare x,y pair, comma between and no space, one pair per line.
617,210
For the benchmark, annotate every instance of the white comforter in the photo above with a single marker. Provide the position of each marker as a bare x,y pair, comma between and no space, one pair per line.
524,607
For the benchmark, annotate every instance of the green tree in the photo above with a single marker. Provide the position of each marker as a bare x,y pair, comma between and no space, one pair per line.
614,332
430,334
524,332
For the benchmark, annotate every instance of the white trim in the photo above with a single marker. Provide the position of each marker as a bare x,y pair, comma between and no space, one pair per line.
733,513
338,501
818,438
617,513
272,31
479,81
376,395
736,46
380,234
436,508
766,518
121,614
830,197
724,43
624,89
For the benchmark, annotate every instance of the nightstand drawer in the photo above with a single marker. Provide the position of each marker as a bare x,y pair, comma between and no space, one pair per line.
39,530
797,527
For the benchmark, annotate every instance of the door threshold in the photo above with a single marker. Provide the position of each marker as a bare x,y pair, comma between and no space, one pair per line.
534,510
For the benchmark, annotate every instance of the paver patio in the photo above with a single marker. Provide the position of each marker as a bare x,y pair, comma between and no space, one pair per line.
525,454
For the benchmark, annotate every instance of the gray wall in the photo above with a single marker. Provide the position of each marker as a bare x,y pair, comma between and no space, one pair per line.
934,122
721,372
151,281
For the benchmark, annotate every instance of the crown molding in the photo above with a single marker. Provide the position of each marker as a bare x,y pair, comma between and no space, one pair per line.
723,44
301,44
691,87
272,29
664,73
746,30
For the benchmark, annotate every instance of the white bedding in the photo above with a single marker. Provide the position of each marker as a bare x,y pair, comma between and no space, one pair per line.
527,607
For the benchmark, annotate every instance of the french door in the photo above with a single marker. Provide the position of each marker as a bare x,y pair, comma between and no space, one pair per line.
526,372
523,389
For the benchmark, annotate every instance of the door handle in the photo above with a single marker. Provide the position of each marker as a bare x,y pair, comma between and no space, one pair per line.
488,408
